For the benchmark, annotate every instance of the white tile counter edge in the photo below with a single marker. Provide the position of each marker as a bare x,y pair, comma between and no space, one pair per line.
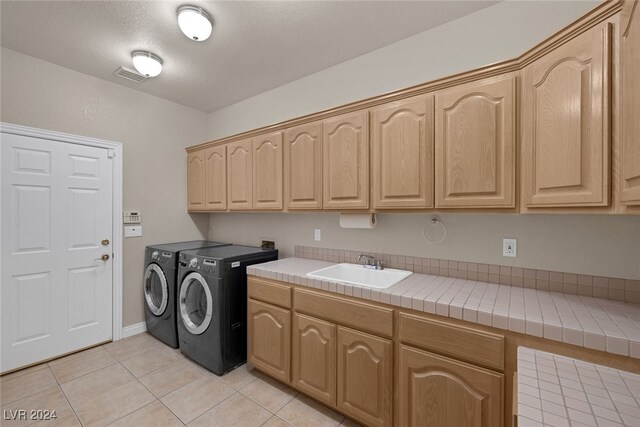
599,324
556,390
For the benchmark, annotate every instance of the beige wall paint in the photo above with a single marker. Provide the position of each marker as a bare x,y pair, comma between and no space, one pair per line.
598,245
153,132
589,244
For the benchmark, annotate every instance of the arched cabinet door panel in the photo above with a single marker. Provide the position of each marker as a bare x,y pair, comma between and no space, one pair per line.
267,171
240,175
303,166
565,124
475,145
216,178
314,357
402,147
195,180
365,377
630,94
442,392
269,339
346,161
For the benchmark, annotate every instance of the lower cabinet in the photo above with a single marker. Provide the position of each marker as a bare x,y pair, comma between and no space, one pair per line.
365,377
269,339
441,392
314,358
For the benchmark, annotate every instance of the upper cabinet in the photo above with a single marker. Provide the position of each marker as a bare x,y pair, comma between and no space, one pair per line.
346,161
303,166
630,94
195,180
239,174
565,124
475,144
267,171
216,178
402,145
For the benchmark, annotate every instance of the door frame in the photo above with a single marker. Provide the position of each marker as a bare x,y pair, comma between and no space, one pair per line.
115,151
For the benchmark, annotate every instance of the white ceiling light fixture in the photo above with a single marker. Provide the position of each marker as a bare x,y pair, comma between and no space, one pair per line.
194,22
147,63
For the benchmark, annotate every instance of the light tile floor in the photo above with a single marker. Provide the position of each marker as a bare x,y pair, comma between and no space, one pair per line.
140,382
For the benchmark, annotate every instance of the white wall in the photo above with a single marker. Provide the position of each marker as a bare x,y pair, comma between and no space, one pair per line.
153,131
500,32
589,244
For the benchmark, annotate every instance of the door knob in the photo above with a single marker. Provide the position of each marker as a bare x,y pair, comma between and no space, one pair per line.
104,257
105,242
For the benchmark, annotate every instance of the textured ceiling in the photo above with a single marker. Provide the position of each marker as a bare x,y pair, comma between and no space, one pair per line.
255,45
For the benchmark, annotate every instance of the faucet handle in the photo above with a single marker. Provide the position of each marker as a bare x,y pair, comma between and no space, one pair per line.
379,265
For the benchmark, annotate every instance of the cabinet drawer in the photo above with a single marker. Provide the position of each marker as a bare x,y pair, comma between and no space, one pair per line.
267,291
471,345
366,317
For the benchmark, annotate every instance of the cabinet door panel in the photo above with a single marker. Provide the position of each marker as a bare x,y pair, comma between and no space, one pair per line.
346,161
364,377
403,154
630,92
475,144
314,358
269,339
441,392
239,174
216,178
267,171
303,166
565,124
196,180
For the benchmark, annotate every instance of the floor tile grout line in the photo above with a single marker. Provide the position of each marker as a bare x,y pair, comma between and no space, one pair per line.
67,398
32,394
214,406
88,373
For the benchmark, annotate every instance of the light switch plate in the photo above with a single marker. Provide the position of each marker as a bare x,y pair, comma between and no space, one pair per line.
317,235
509,247
133,231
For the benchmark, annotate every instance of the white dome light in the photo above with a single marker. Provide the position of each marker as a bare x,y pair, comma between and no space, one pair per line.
194,22
147,63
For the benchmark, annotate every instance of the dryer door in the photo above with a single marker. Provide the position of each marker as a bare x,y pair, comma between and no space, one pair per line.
156,291
196,305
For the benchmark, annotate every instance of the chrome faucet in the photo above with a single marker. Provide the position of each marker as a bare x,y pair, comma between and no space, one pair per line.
370,262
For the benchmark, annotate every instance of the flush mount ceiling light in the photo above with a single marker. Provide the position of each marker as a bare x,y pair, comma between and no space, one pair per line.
147,63
194,22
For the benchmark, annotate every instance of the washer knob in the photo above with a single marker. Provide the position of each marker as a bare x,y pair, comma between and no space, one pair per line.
193,262
155,255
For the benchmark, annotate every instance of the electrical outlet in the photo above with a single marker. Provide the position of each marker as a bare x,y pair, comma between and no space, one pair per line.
317,235
509,247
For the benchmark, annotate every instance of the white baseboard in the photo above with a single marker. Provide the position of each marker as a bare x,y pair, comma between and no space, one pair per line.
135,329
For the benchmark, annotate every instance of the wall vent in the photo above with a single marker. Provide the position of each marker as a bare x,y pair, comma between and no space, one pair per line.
129,74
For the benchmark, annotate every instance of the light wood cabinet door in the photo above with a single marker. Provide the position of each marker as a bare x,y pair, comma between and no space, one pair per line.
565,124
269,339
314,358
267,171
216,178
475,145
303,166
437,391
402,146
196,180
365,377
346,161
239,174
630,92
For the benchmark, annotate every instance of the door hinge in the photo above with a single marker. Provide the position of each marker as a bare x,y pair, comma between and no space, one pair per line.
111,153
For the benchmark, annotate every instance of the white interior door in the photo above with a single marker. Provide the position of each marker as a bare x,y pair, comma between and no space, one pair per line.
56,290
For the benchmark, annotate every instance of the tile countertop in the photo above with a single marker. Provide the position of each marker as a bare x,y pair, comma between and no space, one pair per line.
594,323
559,391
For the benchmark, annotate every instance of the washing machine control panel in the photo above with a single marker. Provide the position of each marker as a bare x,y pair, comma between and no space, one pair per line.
155,255
193,263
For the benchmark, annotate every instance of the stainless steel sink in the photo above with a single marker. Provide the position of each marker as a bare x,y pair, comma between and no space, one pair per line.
358,275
